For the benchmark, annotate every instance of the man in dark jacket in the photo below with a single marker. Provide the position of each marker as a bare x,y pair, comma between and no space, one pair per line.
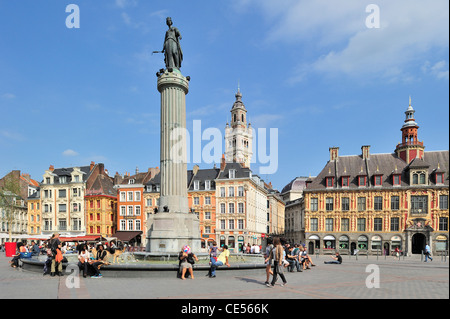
55,245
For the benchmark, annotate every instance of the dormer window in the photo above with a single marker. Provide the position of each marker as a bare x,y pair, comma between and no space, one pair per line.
345,181
396,180
419,178
329,181
378,180
207,185
196,185
362,180
232,173
131,181
62,179
439,178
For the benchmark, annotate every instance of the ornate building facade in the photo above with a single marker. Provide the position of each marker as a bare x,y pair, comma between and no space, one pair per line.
375,203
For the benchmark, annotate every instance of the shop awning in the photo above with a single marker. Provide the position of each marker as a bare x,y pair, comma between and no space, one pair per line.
82,238
126,236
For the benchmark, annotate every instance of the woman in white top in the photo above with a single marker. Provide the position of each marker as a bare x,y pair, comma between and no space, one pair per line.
83,260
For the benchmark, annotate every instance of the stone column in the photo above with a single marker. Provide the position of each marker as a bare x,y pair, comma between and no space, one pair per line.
173,87
169,231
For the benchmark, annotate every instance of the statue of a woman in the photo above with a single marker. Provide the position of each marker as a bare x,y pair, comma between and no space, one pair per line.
173,55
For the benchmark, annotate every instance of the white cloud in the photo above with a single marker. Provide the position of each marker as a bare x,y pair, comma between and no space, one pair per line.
126,3
439,69
11,135
8,96
336,33
70,153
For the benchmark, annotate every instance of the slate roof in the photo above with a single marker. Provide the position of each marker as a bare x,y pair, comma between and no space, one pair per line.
68,171
385,165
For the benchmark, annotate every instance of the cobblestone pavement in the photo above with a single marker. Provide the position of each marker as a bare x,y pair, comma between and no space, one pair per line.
398,279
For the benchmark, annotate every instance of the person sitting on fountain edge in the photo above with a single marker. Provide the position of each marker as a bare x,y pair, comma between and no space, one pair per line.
221,260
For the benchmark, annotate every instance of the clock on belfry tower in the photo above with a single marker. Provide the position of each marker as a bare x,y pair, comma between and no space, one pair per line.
238,135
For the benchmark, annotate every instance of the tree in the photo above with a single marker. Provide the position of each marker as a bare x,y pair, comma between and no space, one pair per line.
9,190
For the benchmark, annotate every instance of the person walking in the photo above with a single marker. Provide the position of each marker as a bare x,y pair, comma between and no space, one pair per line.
55,247
268,260
277,255
428,253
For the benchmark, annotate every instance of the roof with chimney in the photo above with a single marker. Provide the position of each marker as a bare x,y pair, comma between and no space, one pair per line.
384,165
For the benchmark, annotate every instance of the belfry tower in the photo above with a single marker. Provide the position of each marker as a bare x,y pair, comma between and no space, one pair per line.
410,147
238,135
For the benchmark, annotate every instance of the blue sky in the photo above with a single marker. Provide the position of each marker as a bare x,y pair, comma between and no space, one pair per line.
312,69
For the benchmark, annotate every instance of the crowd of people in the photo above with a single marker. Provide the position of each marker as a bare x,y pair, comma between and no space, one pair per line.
281,256
91,256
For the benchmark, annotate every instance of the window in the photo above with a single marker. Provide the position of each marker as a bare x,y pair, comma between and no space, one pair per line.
378,180
77,178
131,181
345,224
62,208
345,203
196,201
222,192
149,202
196,185
361,224
328,224
314,204
62,193
207,215
130,210
361,204
443,202
329,203
240,224
62,224
130,224
122,197
396,180
222,223
241,191
138,210
62,179
231,208
419,204
232,173
314,224
329,181
122,210
377,224
137,196
130,196
345,181
75,192
439,178
207,200
241,208
395,202
443,223
231,191
395,224
378,203
231,224
222,208
138,224
419,178
361,180
207,229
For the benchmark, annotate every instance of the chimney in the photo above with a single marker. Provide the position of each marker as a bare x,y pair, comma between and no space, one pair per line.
137,170
92,166
223,163
101,168
51,168
334,153
365,151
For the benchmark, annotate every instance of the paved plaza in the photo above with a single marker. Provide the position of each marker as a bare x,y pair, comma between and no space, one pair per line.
407,278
